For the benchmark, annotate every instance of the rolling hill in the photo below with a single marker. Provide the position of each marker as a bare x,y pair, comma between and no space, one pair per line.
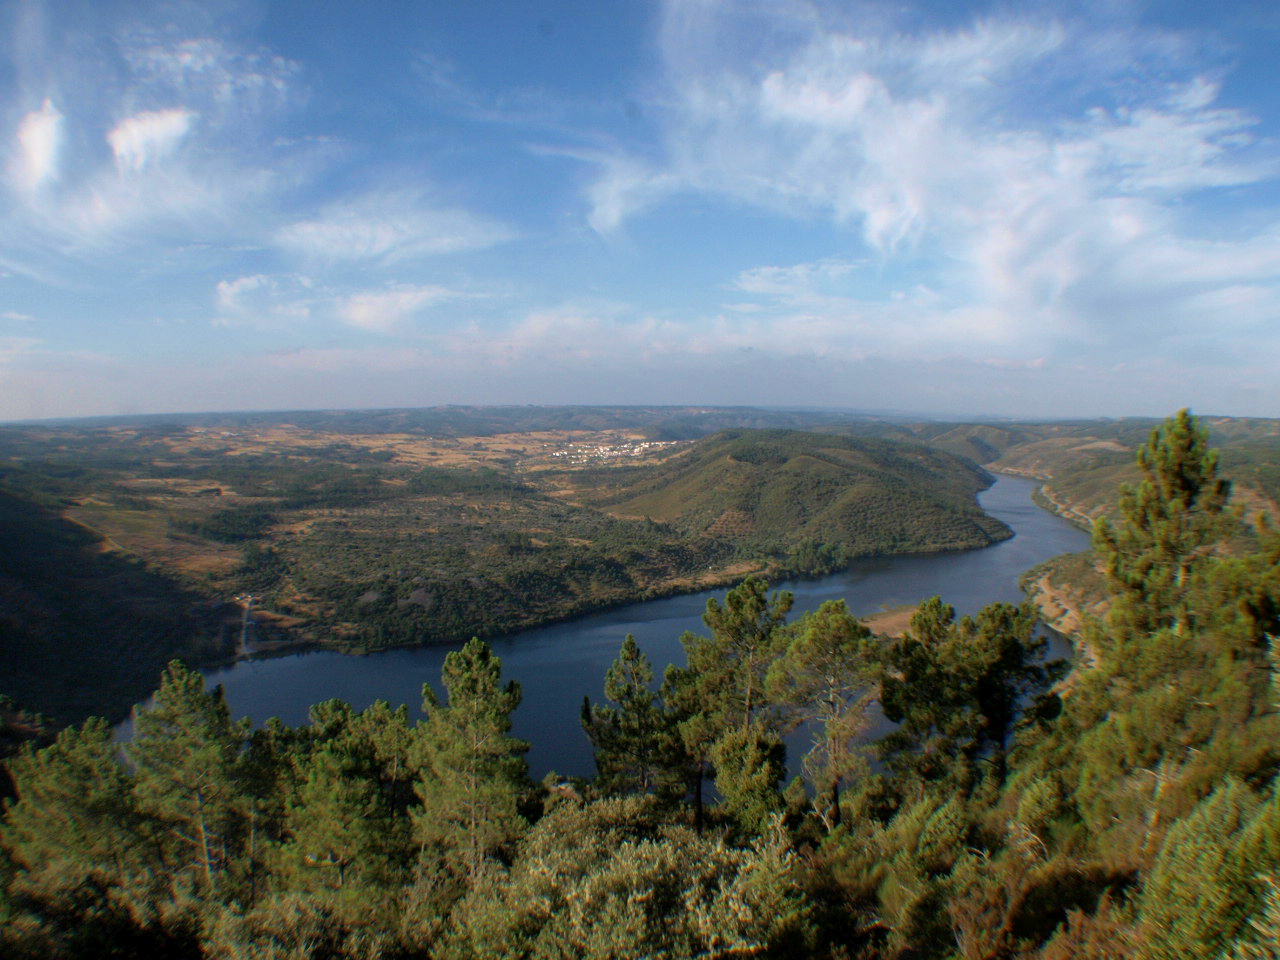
777,489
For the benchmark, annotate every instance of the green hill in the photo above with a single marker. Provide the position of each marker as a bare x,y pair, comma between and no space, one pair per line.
779,489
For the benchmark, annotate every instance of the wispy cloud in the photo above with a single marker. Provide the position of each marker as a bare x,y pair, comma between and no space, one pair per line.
13,347
386,310
265,302
144,136
1043,209
225,80
389,226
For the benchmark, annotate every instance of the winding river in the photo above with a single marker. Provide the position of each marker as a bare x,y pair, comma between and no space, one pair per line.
559,664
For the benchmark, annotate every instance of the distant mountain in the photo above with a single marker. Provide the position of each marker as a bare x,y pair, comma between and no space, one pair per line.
658,422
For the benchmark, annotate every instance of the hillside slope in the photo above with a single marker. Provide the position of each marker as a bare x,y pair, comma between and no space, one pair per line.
779,488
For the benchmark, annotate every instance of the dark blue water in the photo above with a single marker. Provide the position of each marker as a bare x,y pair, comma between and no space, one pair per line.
558,665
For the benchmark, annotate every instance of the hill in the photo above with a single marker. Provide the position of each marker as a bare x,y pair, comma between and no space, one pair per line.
780,489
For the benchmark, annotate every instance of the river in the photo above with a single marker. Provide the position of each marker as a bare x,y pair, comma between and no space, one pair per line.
557,665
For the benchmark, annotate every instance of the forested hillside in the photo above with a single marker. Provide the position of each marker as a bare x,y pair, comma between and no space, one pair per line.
1083,463
130,543
1130,809
799,493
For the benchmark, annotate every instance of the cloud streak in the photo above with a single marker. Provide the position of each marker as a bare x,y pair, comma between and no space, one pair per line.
389,226
385,311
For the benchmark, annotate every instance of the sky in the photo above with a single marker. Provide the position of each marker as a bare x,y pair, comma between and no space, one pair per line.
948,209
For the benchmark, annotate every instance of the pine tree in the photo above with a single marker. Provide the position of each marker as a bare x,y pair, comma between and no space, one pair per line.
956,689
723,685
1171,520
1000,655
633,739
826,676
342,836
471,773
189,779
745,642
922,693
749,764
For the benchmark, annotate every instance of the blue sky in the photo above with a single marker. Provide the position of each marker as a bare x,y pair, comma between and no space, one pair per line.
953,209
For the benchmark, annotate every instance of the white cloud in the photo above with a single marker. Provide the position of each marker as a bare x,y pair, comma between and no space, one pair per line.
147,137
993,159
157,141
39,137
385,311
390,226
796,279
265,302
626,187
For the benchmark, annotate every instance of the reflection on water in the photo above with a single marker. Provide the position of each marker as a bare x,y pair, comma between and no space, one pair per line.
558,665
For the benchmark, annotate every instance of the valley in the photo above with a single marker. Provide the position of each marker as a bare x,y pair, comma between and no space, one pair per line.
358,531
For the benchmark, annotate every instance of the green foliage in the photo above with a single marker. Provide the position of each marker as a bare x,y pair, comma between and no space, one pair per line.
293,926
587,885
339,826
815,500
745,641
955,690
826,678
83,867
231,525
634,739
1261,941
1168,522
723,688
750,764
471,772
1200,887
186,754
1133,811
811,558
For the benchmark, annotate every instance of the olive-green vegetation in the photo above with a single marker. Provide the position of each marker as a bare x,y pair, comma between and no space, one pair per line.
814,500
1133,811
1083,463
125,545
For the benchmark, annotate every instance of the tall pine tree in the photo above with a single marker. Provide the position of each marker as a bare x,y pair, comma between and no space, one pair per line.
633,738
187,755
471,772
